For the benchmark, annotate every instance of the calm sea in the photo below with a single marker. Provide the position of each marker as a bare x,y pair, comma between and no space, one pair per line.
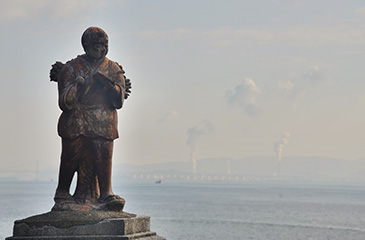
217,211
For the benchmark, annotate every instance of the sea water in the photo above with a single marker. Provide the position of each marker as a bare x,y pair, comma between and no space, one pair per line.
216,210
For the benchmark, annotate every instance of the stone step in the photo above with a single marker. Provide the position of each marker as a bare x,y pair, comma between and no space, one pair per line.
137,236
84,225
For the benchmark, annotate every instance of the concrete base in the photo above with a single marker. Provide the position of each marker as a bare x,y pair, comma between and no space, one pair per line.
91,225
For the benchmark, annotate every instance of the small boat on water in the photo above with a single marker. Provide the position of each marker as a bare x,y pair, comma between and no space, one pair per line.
158,181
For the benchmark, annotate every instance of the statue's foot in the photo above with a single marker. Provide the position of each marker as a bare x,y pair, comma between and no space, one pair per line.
112,203
62,196
63,201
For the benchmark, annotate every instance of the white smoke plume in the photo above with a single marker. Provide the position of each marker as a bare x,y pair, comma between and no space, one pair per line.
301,87
285,85
314,75
279,146
306,82
168,116
244,96
194,133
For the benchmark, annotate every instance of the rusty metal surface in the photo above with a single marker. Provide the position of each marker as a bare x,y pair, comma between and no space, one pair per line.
91,88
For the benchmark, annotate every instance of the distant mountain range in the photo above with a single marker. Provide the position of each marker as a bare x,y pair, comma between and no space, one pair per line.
292,167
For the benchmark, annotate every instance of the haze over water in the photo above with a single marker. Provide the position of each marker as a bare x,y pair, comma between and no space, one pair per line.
217,211
211,80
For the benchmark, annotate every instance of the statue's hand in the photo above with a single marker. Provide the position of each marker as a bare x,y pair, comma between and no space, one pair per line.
80,81
128,87
56,69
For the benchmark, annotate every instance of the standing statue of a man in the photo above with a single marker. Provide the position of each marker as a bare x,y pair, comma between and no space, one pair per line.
91,87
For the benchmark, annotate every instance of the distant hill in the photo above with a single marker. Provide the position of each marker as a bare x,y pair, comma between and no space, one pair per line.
293,166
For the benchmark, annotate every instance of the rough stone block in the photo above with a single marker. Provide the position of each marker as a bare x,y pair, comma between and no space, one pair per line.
84,225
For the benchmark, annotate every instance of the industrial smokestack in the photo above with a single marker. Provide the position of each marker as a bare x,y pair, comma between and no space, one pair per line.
193,134
279,146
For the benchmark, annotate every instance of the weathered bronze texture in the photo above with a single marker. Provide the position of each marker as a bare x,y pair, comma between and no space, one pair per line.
90,88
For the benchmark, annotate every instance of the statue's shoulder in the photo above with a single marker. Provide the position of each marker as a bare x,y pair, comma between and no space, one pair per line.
109,62
77,60
58,66
116,66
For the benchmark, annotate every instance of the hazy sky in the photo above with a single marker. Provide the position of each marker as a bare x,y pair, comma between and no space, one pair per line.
224,78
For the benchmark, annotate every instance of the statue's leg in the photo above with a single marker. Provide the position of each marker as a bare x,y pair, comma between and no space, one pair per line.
103,165
87,190
68,166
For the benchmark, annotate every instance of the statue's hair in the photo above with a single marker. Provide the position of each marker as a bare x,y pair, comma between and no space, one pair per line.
92,33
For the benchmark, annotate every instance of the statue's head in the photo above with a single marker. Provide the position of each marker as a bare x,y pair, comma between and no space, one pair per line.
95,42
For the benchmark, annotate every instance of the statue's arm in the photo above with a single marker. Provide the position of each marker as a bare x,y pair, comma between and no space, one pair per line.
115,84
118,93
68,88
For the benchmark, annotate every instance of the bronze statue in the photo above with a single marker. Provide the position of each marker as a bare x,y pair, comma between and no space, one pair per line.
91,87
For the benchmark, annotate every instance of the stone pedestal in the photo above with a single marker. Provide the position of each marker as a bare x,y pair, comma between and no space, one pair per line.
91,225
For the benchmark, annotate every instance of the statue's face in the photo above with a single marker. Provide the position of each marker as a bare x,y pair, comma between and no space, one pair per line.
97,48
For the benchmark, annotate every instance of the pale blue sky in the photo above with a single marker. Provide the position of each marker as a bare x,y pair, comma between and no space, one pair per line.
255,70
